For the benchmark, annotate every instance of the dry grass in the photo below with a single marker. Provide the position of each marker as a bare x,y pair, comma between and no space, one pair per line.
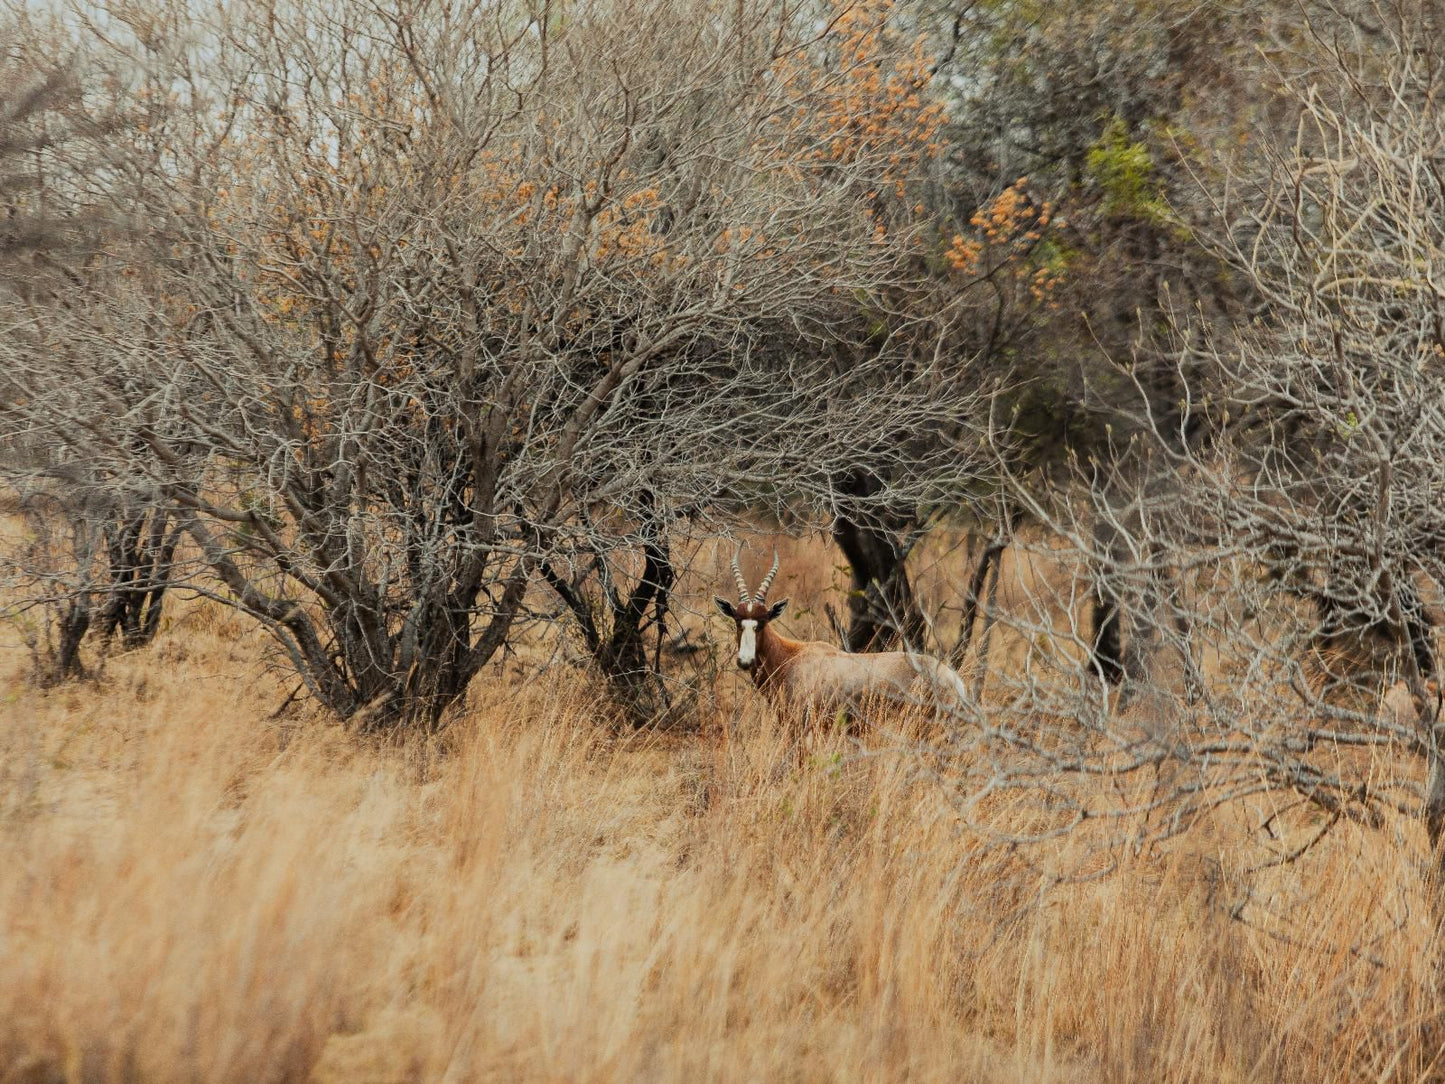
190,892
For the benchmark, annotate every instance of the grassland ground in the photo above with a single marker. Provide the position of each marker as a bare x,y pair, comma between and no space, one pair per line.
193,890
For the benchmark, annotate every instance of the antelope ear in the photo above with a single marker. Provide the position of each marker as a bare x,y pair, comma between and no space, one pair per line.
775,611
725,607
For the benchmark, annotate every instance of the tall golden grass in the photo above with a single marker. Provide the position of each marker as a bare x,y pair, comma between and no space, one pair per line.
192,891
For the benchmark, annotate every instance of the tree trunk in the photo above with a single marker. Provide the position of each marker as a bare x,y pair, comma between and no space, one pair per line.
74,622
620,649
635,684
73,613
882,608
990,561
141,555
445,659
1106,639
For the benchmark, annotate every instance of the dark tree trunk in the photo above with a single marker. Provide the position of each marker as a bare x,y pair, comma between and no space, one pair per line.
620,649
1106,641
59,659
1106,638
141,550
882,608
989,562
623,657
446,657
74,623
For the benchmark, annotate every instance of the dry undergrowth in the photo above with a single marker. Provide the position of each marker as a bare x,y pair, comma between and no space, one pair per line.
190,892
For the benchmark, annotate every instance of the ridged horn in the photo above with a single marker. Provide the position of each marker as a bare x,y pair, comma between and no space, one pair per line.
762,595
738,575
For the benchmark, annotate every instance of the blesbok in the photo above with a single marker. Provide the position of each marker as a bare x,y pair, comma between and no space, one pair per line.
811,673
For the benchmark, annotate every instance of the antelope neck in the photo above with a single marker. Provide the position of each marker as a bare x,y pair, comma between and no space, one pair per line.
775,654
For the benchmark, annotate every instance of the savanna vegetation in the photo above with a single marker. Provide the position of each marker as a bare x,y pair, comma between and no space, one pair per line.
385,390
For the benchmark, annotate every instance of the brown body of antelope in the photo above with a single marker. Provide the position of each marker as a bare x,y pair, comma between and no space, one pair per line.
811,673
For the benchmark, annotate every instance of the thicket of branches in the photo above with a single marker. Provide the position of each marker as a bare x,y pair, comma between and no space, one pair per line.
1263,544
387,324
436,304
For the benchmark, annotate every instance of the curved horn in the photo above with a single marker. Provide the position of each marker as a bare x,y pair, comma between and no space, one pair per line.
762,595
738,575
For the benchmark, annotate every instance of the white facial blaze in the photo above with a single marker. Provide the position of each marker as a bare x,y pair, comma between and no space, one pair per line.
747,642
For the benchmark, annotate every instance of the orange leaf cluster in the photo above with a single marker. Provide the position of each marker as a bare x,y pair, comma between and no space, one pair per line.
869,104
1005,235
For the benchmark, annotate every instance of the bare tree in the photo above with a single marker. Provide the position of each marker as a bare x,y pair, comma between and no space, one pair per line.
1334,396
93,548
1271,543
450,299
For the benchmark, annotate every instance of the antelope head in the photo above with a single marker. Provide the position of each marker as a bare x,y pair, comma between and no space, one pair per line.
752,612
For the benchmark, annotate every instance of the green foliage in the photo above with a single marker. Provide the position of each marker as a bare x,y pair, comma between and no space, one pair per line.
1124,171
1053,256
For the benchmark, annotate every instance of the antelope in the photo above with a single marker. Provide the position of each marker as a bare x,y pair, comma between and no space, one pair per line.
811,673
